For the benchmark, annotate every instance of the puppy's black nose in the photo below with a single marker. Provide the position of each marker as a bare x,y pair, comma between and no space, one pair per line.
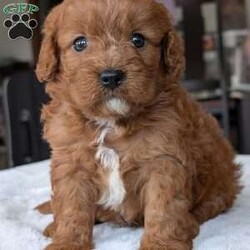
112,78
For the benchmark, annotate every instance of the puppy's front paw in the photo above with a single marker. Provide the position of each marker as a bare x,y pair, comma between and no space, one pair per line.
165,245
65,246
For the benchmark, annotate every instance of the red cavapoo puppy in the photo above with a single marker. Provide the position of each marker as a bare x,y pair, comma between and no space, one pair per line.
128,143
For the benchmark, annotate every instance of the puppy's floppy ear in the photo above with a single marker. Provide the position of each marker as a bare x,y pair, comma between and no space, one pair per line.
48,61
173,55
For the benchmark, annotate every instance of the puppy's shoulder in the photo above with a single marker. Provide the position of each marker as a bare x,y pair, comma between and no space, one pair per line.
63,125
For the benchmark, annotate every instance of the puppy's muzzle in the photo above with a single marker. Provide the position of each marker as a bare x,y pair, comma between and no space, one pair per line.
111,78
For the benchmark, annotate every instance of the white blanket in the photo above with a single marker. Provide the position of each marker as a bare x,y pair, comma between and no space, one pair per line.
21,189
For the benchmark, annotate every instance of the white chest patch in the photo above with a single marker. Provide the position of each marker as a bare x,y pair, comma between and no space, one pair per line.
109,159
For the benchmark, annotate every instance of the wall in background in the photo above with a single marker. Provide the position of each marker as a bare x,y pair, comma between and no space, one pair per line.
248,12
209,14
19,49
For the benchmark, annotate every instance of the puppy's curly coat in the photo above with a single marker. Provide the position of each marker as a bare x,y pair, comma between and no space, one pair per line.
139,153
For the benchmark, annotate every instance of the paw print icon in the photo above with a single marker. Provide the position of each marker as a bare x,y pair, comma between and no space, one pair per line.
20,26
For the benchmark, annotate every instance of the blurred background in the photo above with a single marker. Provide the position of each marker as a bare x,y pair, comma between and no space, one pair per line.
217,49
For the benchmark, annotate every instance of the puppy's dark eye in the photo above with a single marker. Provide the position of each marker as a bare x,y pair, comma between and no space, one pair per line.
80,43
138,40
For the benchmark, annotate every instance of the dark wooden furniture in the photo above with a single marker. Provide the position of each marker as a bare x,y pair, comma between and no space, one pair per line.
193,27
23,98
239,106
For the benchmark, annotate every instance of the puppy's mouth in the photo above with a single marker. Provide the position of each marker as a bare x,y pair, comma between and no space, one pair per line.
117,105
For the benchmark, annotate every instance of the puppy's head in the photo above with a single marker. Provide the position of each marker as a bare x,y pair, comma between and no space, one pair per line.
109,58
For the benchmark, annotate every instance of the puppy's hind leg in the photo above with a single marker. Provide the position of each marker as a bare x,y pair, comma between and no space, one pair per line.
49,230
103,215
220,197
44,208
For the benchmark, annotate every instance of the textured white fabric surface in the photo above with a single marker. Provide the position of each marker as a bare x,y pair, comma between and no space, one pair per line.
22,188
